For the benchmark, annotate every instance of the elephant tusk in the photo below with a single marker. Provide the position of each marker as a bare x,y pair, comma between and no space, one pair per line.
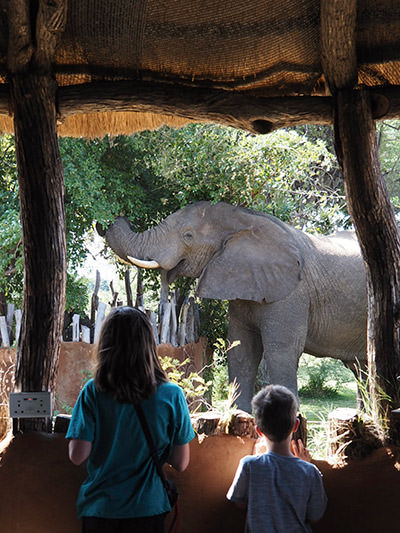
143,264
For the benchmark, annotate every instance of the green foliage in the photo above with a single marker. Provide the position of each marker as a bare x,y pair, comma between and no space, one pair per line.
282,173
220,381
228,405
292,174
322,377
11,255
77,294
213,319
316,410
193,385
150,175
364,383
218,371
388,141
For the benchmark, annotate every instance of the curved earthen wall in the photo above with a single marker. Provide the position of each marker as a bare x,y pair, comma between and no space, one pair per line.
38,488
76,364
38,485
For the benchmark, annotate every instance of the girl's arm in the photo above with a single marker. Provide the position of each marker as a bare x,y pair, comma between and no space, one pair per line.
79,450
179,457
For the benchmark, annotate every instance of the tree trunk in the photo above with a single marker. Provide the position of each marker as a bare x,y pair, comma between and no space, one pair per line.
41,185
139,290
3,304
128,288
377,231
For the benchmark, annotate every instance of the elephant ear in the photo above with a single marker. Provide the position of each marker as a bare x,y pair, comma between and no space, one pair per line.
254,264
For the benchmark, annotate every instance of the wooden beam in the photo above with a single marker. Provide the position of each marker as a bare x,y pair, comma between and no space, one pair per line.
338,43
256,114
378,233
253,113
41,186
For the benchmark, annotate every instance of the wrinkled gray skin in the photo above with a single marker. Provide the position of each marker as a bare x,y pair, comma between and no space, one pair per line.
289,292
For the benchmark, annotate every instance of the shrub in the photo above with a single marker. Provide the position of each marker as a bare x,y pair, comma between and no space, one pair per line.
322,376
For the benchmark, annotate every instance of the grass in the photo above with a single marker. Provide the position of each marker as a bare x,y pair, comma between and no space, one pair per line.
315,407
325,385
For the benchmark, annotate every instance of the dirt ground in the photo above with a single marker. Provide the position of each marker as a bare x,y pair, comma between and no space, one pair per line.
38,488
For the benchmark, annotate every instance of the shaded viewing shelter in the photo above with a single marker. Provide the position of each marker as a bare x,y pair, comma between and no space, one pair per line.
91,67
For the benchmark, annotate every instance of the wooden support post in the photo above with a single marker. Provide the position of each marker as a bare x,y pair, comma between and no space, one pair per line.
32,40
367,199
338,42
378,233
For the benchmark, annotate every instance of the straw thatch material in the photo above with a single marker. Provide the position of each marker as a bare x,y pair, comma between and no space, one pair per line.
100,124
256,47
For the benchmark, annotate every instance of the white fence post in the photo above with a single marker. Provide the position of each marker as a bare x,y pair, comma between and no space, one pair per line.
166,317
101,311
85,334
75,328
153,319
18,322
174,322
10,316
4,332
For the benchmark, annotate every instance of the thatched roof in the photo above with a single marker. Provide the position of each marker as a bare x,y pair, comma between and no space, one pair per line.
245,51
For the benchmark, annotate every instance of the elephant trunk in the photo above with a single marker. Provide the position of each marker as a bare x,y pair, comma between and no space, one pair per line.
131,247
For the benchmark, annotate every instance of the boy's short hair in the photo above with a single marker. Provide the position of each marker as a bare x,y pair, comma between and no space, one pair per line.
275,410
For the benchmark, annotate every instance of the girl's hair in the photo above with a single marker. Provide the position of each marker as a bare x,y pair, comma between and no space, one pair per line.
127,363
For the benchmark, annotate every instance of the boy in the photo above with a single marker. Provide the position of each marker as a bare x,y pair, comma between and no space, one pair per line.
282,492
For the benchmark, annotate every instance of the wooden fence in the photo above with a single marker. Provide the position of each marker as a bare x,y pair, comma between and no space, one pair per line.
176,322
10,332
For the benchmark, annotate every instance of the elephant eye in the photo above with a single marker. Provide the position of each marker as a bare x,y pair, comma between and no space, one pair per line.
188,235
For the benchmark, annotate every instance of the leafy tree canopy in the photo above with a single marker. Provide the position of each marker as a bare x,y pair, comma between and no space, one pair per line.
292,174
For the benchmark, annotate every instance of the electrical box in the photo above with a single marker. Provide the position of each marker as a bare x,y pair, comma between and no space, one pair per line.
30,404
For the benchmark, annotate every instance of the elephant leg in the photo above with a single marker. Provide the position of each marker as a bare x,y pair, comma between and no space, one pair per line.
243,360
284,333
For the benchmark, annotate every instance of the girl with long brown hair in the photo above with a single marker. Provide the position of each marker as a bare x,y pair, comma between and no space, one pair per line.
123,492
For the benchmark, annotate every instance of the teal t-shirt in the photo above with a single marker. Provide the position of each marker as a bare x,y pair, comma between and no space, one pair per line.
122,481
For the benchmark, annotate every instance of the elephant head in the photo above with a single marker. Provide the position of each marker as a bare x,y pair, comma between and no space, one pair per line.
236,253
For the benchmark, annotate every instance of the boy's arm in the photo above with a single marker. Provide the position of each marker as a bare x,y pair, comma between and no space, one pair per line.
318,499
298,450
238,491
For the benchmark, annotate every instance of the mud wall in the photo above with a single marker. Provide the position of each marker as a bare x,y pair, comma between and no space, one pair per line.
76,365
39,486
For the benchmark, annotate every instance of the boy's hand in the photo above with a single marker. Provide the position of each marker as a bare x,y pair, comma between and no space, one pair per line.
298,450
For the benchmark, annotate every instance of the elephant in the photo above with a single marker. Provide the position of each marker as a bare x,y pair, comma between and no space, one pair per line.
288,291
